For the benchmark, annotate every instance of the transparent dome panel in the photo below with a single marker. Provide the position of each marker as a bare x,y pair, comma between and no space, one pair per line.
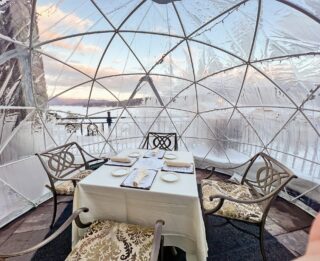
194,14
163,123
10,124
298,77
240,130
227,83
306,169
146,95
198,128
118,12
311,6
12,203
208,60
81,52
125,126
209,100
237,27
60,77
146,117
120,87
168,87
150,48
185,100
258,90
73,100
20,127
119,59
312,101
101,100
298,131
176,63
277,37
267,122
199,147
181,119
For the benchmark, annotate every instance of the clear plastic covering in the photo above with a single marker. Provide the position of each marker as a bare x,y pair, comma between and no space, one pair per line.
230,77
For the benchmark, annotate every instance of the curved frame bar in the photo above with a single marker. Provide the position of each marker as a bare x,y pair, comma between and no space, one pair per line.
74,216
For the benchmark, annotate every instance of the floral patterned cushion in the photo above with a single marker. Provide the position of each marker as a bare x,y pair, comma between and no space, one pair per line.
110,241
247,212
66,187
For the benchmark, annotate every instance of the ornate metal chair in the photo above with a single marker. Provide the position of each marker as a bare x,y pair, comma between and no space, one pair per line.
108,240
64,169
164,141
250,200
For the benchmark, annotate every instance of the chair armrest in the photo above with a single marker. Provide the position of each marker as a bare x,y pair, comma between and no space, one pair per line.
251,201
74,216
74,180
66,179
222,198
93,164
157,240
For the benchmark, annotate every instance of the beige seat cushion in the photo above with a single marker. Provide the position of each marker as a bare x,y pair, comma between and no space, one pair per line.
110,241
66,187
247,212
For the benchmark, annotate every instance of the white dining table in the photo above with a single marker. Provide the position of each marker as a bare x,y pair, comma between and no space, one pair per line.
177,203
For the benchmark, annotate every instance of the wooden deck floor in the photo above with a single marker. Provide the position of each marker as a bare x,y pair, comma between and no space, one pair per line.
286,222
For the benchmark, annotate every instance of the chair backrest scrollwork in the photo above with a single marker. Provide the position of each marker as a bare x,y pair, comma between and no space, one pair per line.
164,141
270,179
61,161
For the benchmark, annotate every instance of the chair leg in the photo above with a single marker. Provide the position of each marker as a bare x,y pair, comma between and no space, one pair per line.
206,224
174,251
261,239
211,173
161,249
55,203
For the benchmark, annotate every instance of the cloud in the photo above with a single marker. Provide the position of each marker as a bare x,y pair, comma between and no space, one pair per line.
51,18
74,44
52,22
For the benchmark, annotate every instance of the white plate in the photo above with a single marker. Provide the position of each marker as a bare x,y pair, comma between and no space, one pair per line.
170,176
170,156
134,155
119,172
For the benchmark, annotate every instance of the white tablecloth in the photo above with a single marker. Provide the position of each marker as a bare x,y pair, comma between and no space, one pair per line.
176,203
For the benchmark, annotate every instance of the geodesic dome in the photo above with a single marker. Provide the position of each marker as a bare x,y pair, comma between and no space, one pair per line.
231,78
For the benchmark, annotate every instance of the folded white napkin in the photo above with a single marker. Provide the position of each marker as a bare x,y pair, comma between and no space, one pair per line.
175,163
140,176
120,159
